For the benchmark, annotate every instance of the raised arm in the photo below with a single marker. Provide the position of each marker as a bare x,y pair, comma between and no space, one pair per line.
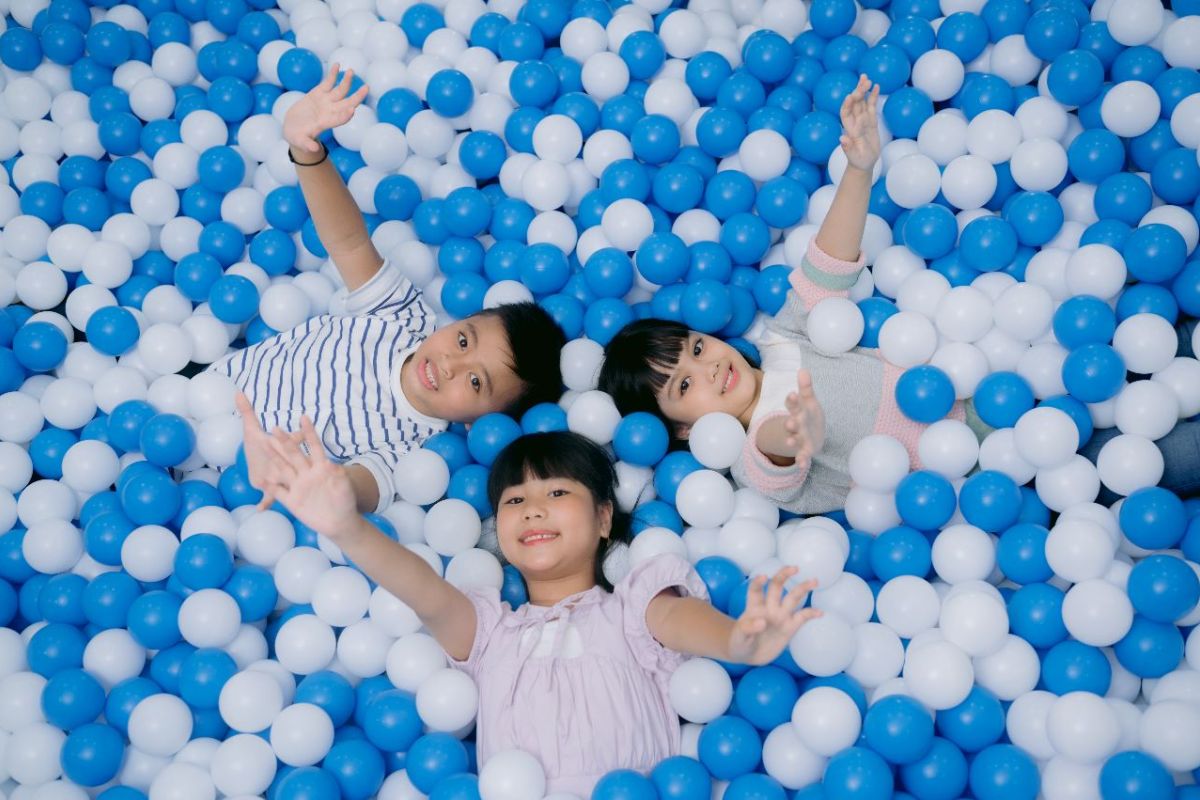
692,626
321,496
842,230
338,220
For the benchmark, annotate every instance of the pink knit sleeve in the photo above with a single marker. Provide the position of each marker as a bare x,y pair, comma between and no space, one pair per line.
820,275
759,472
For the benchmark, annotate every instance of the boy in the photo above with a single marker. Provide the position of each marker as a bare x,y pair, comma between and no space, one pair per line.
379,380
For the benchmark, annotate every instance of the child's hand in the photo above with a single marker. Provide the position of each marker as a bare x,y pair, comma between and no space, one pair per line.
805,423
770,621
316,490
257,445
325,106
860,138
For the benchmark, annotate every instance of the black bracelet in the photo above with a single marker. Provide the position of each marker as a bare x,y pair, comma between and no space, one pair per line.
324,155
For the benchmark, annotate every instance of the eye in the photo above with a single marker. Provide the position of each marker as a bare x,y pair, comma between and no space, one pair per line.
558,492
683,386
476,384
697,348
462,340
512,501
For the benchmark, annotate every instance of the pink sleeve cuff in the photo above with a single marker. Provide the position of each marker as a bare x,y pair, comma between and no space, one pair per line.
766,476
827,263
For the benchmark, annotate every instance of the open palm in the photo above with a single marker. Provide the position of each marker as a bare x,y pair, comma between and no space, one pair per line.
771,619
328,105
860,124
316,490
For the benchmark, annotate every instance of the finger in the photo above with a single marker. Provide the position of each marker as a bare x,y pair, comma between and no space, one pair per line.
286,462
316,450
754,596
775,592
327,83
343,87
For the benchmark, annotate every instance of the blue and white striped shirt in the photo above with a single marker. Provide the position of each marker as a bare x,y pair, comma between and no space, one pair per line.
343,372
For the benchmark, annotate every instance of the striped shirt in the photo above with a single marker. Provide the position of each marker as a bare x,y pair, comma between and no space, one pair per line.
343,372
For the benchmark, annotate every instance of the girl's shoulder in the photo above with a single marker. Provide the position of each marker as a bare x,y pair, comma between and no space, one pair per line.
645,581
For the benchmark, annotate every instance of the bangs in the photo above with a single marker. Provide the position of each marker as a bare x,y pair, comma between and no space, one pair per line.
638,363
542,456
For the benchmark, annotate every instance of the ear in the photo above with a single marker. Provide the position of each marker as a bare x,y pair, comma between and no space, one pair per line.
605,513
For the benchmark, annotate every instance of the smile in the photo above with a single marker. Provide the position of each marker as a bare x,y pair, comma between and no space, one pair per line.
731,380
532,538
426,376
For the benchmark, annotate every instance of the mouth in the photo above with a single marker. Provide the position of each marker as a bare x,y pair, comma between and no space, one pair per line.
427,376
731,380
533,538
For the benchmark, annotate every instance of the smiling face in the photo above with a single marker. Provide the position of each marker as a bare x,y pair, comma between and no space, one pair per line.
710,376
462,371
550,530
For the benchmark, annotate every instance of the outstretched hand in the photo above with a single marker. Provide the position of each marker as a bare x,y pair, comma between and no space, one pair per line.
771,619
805,424
860,124
256,443
327,105
316,490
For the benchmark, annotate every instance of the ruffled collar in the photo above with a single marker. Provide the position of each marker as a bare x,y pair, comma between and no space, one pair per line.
530,613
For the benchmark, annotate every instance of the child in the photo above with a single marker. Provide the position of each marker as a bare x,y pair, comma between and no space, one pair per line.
379,380
791,455
579,675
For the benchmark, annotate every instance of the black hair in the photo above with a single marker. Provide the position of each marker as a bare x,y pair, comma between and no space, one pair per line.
536,342
638,362
561,454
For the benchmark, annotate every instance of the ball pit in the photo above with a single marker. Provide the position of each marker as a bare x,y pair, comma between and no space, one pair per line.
1013,617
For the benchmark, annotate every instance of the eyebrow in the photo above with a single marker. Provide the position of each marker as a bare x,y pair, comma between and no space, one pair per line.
487,377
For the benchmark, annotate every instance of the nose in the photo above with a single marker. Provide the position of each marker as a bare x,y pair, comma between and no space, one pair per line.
448,363
533,509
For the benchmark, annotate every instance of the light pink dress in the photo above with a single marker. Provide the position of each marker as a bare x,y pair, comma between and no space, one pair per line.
583,684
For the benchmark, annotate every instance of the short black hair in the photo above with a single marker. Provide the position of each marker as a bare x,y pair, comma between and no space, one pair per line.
536,342
637,362
562,454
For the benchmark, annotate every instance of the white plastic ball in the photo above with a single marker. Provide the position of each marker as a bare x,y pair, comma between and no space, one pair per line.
209,618
826,720
1130,108
938,674
160,725
1147,342
835,325
824,646
301,735
1127,463
305,644
716,440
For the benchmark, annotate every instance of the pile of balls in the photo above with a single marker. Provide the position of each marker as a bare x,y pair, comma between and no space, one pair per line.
990,630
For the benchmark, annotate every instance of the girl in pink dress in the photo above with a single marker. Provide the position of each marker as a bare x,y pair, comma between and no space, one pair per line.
578,676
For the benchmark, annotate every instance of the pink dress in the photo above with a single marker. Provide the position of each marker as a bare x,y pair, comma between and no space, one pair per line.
583,684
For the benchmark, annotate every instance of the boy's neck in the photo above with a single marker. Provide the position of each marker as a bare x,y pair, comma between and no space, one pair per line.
748,414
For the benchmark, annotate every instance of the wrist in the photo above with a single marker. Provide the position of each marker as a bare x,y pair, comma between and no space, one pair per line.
305,158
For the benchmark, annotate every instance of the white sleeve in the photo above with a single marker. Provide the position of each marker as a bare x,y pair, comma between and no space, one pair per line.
382,472
386,294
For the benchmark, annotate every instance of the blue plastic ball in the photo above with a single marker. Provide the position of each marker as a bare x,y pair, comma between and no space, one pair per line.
858,773
450,93
899,728
167,440
1150,649
92,755
1153,518
1134,775
1001,398
1163,588
1004,771
641,439
681,778
434,757
925,394
729,746
1093,373
925,500
490,434
1070,666
990,500
900,551
39,346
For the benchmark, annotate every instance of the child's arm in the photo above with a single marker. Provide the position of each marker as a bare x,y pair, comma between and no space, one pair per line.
692,626
338,220
842,230
833,262
321,496
797,435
